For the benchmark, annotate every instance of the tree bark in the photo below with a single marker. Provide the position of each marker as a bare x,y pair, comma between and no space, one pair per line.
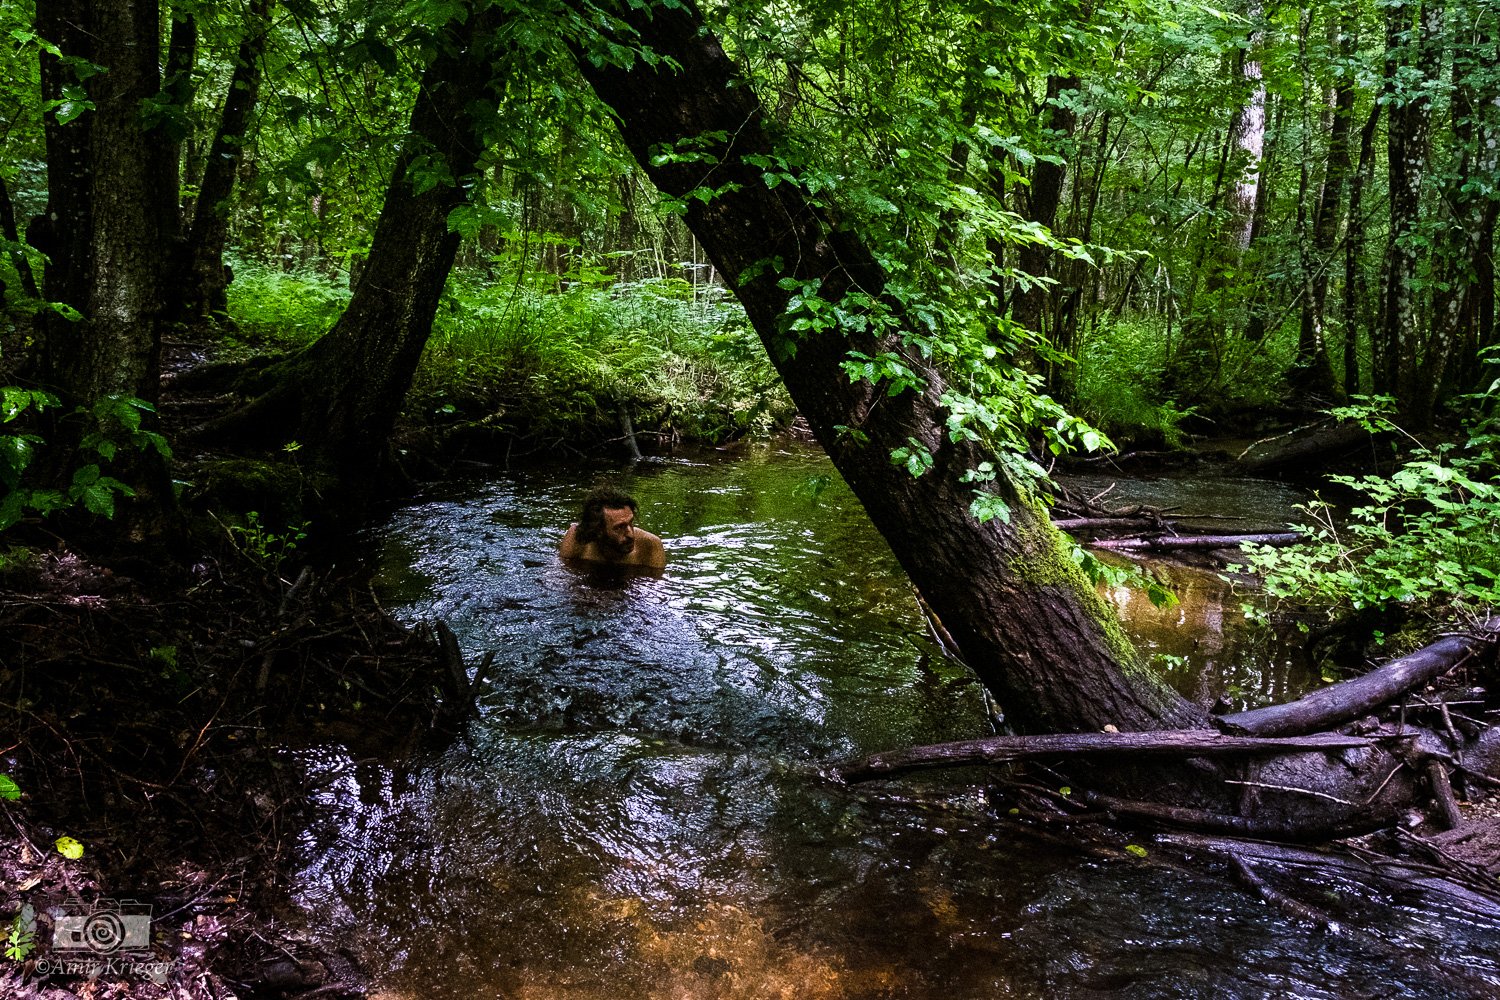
204,281
1025,618
1356,288
110,202
1312,371
1042,200
1403,363
340,397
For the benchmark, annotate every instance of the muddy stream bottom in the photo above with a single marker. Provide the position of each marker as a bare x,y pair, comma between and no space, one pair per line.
638,812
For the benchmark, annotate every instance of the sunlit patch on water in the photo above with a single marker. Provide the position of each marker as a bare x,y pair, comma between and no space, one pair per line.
637,812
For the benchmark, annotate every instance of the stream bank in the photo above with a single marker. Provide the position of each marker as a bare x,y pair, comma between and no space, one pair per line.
147,720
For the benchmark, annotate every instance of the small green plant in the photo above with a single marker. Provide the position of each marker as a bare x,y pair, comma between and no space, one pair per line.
266,548
112,424
9,790
20,942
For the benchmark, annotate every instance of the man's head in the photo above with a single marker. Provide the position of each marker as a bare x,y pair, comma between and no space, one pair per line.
608,520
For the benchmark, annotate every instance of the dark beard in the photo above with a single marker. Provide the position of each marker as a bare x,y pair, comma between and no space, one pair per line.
609,547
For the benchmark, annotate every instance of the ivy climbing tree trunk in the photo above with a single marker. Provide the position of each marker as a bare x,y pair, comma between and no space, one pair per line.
1026,618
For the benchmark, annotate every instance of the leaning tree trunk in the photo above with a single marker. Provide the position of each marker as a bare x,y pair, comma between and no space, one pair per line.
203,279
340,397
1025,617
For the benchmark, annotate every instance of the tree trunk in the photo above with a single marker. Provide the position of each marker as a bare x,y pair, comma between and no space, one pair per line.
1042,200
177,85
110,201
340,397
1025,617
1312,371
203,277
1402,363
1247,138
1356,288
1464,253
1196,366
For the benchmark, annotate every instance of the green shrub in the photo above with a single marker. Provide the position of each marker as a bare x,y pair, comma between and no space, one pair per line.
270,306
1426,537
676,356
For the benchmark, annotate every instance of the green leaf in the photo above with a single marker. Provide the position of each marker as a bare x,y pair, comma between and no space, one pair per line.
9,790
1135,849
69,848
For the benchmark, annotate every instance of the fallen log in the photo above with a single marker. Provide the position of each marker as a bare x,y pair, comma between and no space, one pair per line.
1348,700
1305,446
1096,523
1001,749
1170,542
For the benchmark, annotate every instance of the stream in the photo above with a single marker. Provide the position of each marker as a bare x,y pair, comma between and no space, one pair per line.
638,813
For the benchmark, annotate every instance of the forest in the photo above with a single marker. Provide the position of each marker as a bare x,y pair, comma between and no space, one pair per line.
950,281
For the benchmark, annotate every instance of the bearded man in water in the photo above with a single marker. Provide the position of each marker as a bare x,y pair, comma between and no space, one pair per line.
606,533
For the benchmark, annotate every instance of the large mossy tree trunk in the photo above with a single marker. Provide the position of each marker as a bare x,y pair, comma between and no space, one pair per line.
340,397
1023,614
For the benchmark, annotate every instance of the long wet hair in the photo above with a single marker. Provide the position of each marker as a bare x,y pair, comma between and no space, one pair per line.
591,521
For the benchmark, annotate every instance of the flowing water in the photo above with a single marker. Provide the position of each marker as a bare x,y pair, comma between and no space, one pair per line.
638,811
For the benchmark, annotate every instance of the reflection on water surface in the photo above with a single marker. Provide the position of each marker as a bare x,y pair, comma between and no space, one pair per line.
636,814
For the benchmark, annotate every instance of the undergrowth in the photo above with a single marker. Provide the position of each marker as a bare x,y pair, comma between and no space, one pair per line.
678,358
564,358
1118,380
1425,538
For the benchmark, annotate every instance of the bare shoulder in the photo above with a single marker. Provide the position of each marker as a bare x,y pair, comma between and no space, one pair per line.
570,549
654,553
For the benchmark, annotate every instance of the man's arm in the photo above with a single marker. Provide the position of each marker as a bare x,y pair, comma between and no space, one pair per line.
569,549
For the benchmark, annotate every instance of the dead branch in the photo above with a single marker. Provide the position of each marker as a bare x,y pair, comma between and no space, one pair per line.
1164,543
1348,700
1002,749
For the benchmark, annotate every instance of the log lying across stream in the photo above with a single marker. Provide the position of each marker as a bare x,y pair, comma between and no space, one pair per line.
1279,729
999,749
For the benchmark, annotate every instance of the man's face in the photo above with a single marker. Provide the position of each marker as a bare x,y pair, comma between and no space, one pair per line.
619,530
